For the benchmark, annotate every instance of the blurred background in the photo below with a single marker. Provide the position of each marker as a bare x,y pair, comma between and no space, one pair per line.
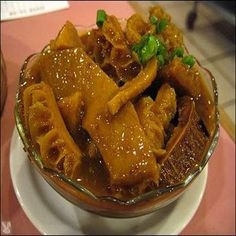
209,34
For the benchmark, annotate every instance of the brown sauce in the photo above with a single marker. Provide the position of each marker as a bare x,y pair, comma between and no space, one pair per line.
95,172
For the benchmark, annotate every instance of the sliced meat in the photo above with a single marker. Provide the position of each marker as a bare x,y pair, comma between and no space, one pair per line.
133,88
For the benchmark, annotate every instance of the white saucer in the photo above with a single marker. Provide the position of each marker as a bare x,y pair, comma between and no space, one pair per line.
52,214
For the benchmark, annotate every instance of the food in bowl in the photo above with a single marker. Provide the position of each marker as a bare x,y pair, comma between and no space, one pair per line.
117,119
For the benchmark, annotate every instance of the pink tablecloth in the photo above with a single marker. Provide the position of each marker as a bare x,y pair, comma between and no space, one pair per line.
20,38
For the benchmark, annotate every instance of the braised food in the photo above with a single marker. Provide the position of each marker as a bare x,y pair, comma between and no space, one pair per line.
122,109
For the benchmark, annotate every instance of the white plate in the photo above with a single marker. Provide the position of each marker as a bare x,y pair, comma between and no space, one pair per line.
52,214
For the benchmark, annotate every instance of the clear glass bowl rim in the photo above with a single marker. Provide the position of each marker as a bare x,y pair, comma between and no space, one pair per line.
143,197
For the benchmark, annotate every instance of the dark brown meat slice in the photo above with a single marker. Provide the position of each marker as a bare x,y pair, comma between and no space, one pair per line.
185,148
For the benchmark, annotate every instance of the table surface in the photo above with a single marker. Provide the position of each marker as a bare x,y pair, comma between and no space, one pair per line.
22,37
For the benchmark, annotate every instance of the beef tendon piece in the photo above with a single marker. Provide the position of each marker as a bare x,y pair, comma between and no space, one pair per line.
120,138
188,81
71,108
48,131
165,105
152,126
134,87
185,148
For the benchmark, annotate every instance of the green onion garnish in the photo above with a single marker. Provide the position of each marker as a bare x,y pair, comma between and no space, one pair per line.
161,25
153,20
136,48
161,59
101,17
149,50
161,47
148,47
179,52
188,60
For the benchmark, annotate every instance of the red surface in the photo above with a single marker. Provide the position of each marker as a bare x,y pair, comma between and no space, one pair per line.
19,39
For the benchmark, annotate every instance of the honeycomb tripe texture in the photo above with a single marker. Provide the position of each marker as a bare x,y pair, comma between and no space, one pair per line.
48,131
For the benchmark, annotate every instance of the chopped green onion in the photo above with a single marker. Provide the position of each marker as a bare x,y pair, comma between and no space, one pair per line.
161,47
161,59
149,50
136,48
161,25
153,20
101,17
179,52
148,47
161,50
188,60
144,40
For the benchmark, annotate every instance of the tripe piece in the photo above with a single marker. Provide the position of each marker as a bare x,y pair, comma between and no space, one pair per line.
113,32
120,138
136,27
71,108
165,105
188,81
47,129
152,126
155,117
134,87
185,148
67,38
171,34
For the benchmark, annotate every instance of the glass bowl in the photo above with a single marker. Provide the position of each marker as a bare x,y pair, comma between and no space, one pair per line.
107,205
